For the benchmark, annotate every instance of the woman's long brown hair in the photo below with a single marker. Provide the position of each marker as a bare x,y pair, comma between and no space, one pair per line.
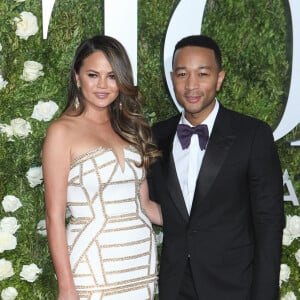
126,114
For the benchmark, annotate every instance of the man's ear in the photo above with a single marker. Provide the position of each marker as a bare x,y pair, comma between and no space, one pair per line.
221,77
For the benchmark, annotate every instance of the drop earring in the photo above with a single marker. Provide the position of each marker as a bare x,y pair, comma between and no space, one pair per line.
76,103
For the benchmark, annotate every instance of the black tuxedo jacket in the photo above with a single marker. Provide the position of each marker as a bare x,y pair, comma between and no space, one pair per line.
233,234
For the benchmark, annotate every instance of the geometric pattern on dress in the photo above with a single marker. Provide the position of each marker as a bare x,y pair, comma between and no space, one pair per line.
110,240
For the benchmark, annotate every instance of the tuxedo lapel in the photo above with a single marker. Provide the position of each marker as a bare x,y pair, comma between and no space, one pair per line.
217,150
218,147
167,133
174,187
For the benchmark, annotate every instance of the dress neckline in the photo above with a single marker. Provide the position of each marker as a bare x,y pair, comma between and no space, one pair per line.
88,153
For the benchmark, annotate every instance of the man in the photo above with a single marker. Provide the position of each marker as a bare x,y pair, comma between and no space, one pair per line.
220,190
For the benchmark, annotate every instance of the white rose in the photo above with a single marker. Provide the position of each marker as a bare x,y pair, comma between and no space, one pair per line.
6,269
7,129
289,296
9,293
285,272
41,227
287,238
26,25
0,47
11,203
30,272
3,82
9,224
44,111
20,127
297,256
293,225
7,241
32,70
34,176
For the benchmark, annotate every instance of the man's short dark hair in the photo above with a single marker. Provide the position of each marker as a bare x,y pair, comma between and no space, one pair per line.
200,41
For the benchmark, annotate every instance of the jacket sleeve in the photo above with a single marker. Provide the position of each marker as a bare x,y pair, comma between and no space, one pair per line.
266,187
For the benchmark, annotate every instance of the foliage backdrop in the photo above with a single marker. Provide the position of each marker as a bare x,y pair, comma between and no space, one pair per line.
255,40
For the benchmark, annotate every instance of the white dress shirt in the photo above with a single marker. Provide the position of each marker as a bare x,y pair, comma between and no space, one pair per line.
188,161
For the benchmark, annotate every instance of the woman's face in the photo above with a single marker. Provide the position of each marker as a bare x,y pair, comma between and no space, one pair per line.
97,81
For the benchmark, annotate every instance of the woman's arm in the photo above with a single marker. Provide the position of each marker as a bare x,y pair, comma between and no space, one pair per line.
56,163
151,208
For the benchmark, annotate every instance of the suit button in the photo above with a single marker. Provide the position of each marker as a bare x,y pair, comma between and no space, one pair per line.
189,256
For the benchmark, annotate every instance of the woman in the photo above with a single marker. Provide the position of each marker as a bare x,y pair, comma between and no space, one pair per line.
95,157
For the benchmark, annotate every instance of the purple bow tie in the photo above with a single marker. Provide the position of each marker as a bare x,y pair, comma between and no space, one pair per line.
185,133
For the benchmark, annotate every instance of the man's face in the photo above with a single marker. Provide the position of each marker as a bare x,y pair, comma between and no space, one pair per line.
196,79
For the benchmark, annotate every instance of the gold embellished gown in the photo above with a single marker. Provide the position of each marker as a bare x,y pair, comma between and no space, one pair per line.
111,242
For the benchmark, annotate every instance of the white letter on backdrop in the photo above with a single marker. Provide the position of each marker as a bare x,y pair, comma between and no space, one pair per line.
292,195
192,14
121,23
47,6
291,115
193,10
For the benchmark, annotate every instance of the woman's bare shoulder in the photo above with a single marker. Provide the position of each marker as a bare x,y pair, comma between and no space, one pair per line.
63,125
62,130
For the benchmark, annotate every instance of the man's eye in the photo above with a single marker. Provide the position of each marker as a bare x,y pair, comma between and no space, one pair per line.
182,74
203,74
